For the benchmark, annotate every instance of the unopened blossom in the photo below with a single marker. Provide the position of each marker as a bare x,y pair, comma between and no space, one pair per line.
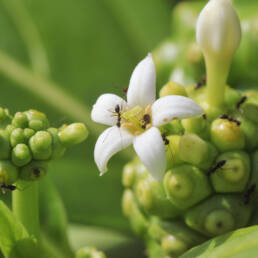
136,120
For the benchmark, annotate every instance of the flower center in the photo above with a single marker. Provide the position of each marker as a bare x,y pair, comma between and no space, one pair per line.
137,120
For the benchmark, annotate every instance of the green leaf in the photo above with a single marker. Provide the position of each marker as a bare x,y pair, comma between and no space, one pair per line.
241,243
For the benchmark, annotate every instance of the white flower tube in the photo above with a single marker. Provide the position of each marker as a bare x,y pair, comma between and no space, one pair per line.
218,33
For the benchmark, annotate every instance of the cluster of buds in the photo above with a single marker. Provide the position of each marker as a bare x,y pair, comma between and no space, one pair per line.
28,143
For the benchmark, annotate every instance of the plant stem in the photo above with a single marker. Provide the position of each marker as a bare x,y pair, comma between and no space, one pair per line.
26,209
217,73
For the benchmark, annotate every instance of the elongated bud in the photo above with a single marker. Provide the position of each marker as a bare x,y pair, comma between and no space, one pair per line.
34,170
40,145
129,174
89,252
194,150
5,147
21,155
218,215
37,120
8,172
218,33
20,120
227,135
185,186
58,149
17,136
172,88
233,175
73,134
152,197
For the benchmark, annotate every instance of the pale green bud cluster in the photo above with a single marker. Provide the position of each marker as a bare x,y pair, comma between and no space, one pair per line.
28,143
211,167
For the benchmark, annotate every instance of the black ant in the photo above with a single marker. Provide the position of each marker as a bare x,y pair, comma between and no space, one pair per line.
36,172
248,193
6,187
201,83
242,100
125,91
219,165
165,139
118,114
231,119
204,116
146,120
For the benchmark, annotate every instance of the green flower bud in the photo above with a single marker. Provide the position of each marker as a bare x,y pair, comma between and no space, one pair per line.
173,245
5,147
250,109
129,175
17,136
250,130
172,88
172,151
233,175
20,120
28,133
58,149
152,197
89,252
194,150
9,128
37,120
232,97
73,134
34,170
137,220
185,186
40,145
218,215
8,172
21,155
5,117
227,135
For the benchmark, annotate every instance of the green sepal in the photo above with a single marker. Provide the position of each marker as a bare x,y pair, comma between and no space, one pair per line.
218,214
8,172
234,175
5,147
21,155
152,197
186,185
237,244
33,171
58,148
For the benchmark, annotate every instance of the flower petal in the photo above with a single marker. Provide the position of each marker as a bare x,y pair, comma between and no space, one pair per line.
142,90
112,140
103,111
171,107
150,148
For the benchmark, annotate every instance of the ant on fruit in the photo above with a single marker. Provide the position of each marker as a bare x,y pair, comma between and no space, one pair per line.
201,83
219,165
248,193
231,119
242,100
6,187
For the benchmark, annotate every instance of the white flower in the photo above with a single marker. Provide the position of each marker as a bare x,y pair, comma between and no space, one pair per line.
137,120
218,29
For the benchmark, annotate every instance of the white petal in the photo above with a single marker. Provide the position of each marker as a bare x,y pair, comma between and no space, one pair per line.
141,90
150,148
111,141
171,107
104,109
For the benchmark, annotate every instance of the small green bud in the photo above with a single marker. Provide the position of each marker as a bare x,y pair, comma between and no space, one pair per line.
8,172
233,175
17,136
172,151
173,245
73,134
21,155
20,120
129,175
250,109
172,88
28,133
40,145
194,150
152,197
58,149
9,128
37,120
89,252
218,214
5,148
36,125
185,186
5,117
227,135
34,170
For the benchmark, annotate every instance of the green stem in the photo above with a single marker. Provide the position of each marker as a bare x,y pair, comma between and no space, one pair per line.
217,72
26,209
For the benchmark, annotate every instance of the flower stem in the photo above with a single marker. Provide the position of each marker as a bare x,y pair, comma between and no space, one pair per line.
26,209
217,73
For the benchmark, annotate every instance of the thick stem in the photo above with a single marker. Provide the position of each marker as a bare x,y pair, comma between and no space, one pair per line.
217,72
26,209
